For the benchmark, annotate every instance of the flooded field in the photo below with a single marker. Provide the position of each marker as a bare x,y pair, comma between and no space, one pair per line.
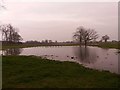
92,57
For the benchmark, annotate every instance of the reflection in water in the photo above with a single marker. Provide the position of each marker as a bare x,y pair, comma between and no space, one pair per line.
12,51
85,55
105,49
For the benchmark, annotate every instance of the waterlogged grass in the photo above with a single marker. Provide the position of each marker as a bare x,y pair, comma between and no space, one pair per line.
35,72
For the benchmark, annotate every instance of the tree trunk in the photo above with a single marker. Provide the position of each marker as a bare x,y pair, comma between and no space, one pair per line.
105,40
80,43
85,43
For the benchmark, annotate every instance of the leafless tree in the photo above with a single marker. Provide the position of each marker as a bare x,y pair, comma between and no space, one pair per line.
89,35
78,35
5,32
105,38
9,33
85,35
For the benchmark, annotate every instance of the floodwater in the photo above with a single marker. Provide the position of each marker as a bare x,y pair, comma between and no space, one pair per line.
92,57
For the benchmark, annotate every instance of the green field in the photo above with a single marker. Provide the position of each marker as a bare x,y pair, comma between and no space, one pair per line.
35,72
110,45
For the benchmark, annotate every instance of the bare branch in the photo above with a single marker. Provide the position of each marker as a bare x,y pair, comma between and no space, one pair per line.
85,35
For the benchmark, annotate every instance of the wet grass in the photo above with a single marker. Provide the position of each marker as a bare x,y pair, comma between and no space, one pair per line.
17,46
115,45
35,72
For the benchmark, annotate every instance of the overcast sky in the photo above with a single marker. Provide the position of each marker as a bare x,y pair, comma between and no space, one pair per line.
59,20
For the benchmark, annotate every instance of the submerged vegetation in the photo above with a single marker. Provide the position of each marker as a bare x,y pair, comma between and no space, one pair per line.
35,72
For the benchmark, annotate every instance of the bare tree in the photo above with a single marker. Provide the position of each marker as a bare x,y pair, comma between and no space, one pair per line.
85,35
9,33
5,32
89,35
78,35
105,38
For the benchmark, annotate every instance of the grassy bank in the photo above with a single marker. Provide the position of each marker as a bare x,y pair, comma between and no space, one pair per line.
115,45
35,72
16,46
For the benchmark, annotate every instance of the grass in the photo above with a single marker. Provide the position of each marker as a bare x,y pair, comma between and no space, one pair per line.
115,45
109,45
17,46
35,72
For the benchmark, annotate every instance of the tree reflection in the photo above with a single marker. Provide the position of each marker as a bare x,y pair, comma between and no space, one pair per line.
85,55
105,49
12,51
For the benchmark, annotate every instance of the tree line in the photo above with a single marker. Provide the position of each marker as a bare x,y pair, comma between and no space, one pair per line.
84,35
